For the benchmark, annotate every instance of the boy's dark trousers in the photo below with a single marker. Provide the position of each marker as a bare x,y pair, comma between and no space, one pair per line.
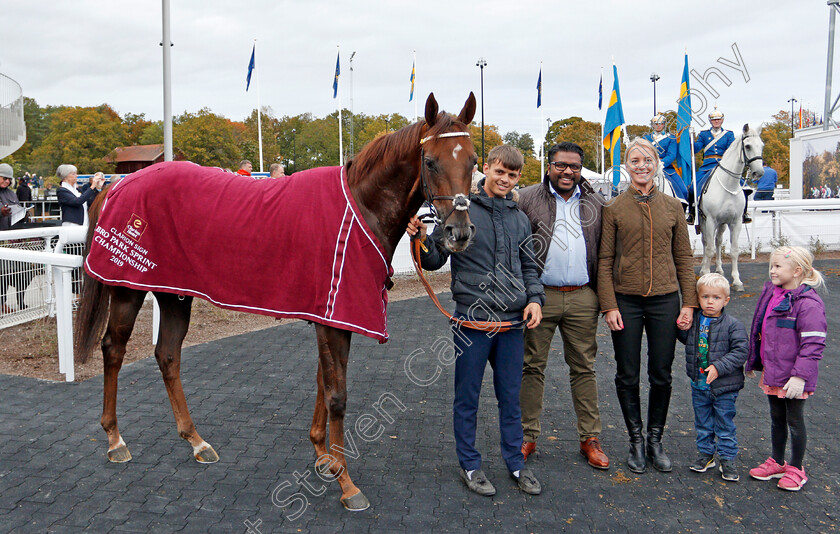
504,351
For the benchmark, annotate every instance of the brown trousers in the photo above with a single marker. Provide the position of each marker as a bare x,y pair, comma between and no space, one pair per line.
575,313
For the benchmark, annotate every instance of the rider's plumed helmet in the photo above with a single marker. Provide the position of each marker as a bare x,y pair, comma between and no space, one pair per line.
716,114
658,119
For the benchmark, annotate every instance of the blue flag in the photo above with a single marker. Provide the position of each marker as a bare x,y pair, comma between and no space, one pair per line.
411,96
601,92
539,89
337,74
250,69
612,128
684,148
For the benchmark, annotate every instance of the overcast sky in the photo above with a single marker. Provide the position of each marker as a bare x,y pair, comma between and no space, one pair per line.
89,52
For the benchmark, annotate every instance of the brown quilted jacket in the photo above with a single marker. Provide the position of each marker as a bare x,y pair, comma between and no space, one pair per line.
644,249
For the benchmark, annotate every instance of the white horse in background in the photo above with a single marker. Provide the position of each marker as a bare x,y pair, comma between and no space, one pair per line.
723,202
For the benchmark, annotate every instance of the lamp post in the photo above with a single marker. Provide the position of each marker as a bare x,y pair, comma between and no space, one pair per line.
294,148
481,63
654,77
352,151
386,124
792,102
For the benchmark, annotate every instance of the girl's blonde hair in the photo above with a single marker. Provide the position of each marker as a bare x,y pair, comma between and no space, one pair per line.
804,259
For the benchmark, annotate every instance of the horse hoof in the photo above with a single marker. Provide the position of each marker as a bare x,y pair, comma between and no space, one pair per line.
119,455
738,287
207,456
356,503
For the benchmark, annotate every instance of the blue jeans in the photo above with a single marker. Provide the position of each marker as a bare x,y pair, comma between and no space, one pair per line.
714,417
763,195
504,351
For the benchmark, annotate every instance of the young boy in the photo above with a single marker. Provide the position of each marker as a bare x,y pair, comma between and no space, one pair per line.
715,352
495,279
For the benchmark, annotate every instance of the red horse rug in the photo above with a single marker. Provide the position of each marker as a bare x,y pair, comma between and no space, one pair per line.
293,247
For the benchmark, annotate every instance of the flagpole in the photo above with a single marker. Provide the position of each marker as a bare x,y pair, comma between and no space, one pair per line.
602,121
414,64
694,178
542,141
259,108
340,140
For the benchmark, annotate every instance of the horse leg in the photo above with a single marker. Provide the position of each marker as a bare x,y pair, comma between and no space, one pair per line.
734,235
708,236
175,321
333,350
719,248
318,430
125,304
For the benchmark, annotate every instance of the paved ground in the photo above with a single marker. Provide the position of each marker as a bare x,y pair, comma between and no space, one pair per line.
252,398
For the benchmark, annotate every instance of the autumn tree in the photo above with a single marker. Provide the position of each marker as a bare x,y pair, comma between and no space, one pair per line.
207,139
492,139
81,136
524,142
776,137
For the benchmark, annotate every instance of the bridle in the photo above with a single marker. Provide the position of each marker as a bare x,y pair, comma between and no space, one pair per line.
746,160
460,202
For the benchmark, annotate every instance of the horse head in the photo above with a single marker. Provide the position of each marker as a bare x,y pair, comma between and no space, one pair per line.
447,160
751,151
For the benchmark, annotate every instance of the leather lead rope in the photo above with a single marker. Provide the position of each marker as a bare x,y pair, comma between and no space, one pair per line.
485,326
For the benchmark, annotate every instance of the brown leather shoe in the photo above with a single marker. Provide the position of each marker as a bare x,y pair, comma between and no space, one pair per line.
591,448
528,447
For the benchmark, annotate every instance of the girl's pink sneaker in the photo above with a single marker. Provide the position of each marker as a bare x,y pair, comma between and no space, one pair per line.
769,469
793,480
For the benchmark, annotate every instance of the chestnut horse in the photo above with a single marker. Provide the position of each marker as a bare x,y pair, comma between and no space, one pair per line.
389,180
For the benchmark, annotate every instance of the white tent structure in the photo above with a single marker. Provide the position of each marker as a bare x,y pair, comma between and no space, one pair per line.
12,127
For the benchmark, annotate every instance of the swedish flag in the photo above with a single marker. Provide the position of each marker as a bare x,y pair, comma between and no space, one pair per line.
684,148
337,74
612,128
539,89
411,96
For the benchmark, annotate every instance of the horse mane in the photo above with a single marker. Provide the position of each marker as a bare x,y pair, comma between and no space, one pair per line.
380,156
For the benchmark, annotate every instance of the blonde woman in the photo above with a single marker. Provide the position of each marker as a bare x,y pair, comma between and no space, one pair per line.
645,261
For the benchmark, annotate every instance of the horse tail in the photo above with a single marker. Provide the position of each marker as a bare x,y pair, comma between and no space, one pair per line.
95,299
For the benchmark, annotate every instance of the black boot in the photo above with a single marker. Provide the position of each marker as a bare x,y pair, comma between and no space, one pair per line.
690,218
658,402
628,398
745,218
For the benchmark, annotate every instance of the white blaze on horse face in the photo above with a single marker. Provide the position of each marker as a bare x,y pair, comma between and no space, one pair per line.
455,151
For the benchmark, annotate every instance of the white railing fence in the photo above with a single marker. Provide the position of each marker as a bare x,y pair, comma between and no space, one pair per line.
52,256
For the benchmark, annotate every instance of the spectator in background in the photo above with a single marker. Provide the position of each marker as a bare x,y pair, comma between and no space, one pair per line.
74,204
276,170
7,196
245,168
767,184
24,194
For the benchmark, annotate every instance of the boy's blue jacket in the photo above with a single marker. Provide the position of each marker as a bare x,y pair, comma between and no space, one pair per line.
728,350
496,276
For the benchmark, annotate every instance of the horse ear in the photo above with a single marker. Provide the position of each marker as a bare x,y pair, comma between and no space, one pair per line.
431,110
467,114
746,128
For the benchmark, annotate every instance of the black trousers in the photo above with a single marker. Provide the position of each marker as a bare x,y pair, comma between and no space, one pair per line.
657,315
788,414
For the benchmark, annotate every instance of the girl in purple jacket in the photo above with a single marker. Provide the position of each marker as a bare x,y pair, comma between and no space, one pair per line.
786,343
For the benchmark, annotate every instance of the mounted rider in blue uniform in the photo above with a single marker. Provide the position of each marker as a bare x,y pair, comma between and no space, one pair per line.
666,146
713,143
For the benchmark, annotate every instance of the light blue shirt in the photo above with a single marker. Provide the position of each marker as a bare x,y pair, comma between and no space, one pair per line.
565,263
